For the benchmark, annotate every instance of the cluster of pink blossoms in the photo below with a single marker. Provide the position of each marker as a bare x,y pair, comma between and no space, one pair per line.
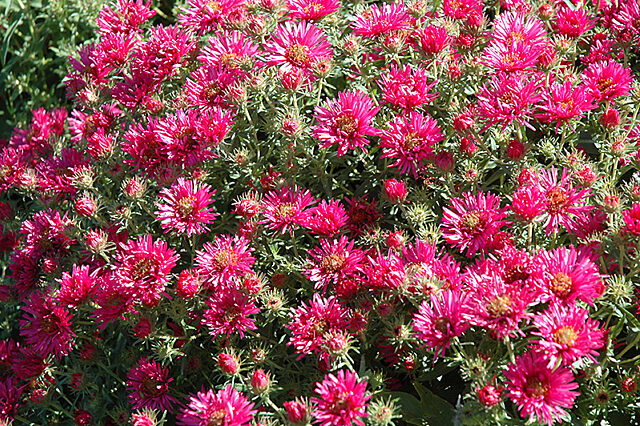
308,211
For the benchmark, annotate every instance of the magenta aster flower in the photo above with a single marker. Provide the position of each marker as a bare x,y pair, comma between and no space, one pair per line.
570,274
632,219
507,98
568,333
229,312
206,16
232,50
471,221
409,140
528,203
312,10
46,328
76,287
226,258
608,80
143,267
563,102
227,407
334,261
298,47
385,272
314,325
381,20
149,386
563,203
573,22
185,207
541,393
510,28
327,218
286,208
407,87
345,121
500,297
341,401
445,317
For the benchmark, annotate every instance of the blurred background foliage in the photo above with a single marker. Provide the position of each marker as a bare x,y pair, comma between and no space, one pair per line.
38,36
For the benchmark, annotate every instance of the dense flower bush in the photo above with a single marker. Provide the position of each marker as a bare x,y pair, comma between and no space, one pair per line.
333,213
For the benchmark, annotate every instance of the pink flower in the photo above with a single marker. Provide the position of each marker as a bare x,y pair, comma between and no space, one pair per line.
406,88
507,98
567,333
570,274
232,50
143,267
226,258
385,273
563,102
573,22
313,326
345,121
471,221
327,218
541,393
563,203
46,327
312,10
409,140
433,39
395,191
229,312
287,208
445,317
77,287
606,81
334,261
377,20
527,203
227,407
149,386
298,47
185,207
632,219
203,16
341,401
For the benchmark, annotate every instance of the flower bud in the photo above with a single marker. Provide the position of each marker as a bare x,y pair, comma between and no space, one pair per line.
143,328
85,206
516,150
610,119
298,412
395,191
489,395
188,285
228,363
260,381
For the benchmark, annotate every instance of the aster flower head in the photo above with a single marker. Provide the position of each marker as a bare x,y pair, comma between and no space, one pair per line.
500,297
229,312
573,22
226,258
341,401
314,324
312,10
444,317
567,333
231,50
407,87
470,221
380,20
569,274
563,203
509,98
540,392
298,47
327,218
148,383
77,287
631,218
143,266
409,140
345,121
528,203
286,209
563,102
606,81
185,207
46,327
385,272
334,261
226,407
